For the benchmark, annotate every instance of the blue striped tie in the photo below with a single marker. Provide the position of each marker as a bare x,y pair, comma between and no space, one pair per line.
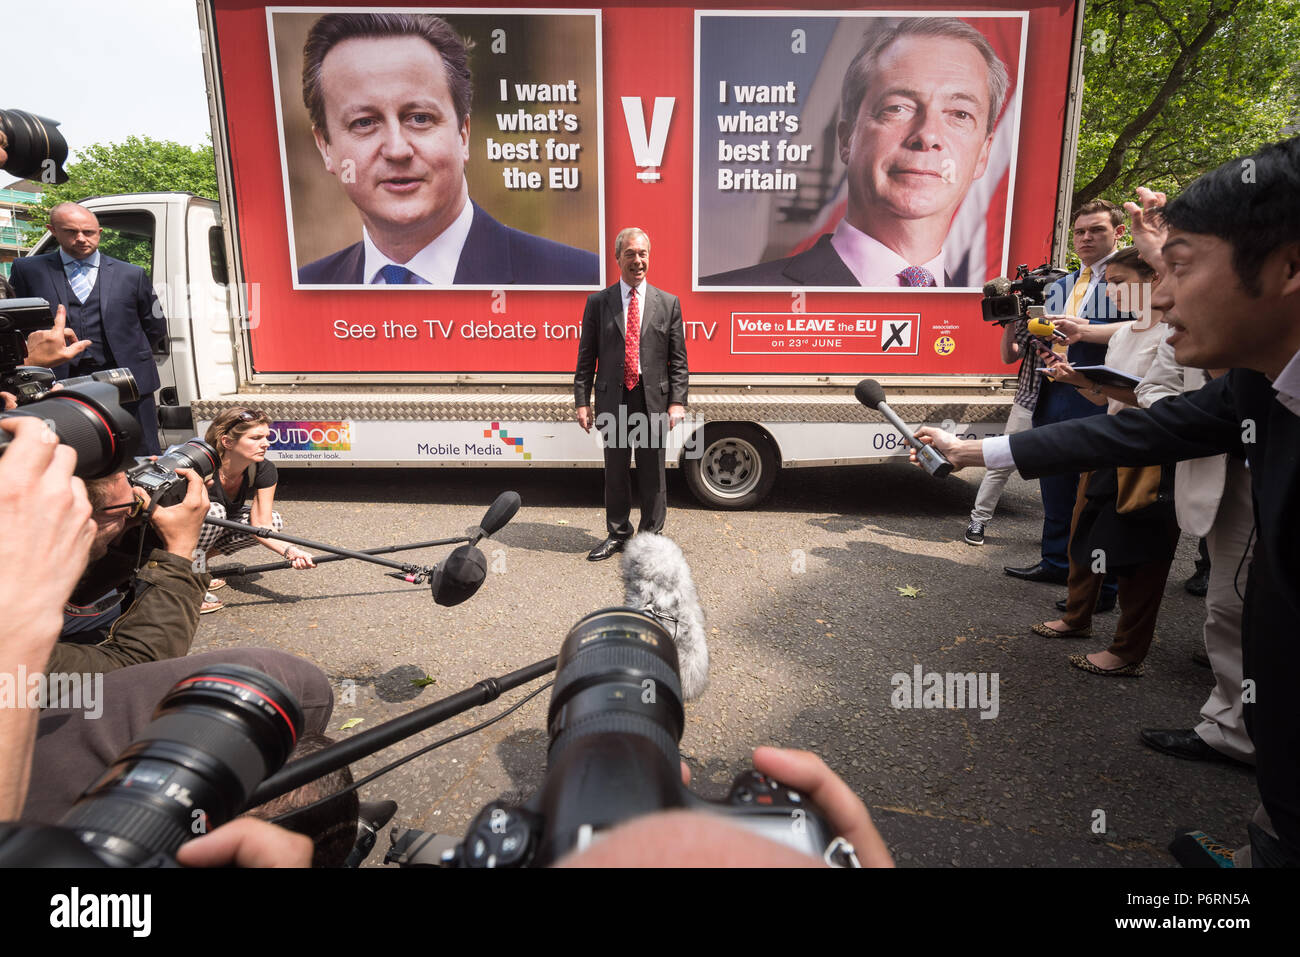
80,279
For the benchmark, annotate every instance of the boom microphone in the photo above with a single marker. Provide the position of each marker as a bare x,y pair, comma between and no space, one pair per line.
658,580
498,514
870,393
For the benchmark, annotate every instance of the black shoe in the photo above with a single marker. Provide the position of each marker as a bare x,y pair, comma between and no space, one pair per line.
1199,657
1105,603
1198,584
606,549
1041,572
975,533
1183,744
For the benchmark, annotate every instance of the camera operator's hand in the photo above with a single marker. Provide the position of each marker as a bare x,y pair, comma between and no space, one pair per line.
960,452
10,401
55,346
179,524
1147,227
845,812
247,842
45,530
45,536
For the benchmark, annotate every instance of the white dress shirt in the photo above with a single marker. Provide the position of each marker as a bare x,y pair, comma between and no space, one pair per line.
434,265
872,262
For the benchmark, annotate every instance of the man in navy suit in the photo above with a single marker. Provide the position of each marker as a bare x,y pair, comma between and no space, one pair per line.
633,353
1082,296
389,98
917,110
109,302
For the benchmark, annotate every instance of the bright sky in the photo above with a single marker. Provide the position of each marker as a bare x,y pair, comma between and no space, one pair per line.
106,69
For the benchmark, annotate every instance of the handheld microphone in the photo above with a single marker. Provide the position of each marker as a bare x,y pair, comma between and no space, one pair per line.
870,393
658,580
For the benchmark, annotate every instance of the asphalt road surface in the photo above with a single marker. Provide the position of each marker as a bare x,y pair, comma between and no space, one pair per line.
807,631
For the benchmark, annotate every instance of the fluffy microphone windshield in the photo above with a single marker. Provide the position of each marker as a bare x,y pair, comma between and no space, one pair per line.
657,577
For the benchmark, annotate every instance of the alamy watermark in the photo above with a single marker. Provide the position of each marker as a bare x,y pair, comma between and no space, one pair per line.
947,690
84,692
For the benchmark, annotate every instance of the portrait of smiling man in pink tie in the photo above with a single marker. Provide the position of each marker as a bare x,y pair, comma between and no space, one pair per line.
918,108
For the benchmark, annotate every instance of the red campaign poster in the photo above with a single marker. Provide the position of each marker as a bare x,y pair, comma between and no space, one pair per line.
437,190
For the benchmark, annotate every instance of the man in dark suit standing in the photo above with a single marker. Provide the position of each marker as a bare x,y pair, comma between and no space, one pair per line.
109,302
389,97
633,346
1230,290
1080,296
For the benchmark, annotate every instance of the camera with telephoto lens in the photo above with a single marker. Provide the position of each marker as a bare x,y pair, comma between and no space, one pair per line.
36,148
1006,300
214,737
158,479
614,721
85,413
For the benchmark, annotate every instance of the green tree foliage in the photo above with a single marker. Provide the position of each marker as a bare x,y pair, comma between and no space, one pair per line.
137,165
1173,88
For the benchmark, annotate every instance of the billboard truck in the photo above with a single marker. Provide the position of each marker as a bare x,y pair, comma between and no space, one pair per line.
415,203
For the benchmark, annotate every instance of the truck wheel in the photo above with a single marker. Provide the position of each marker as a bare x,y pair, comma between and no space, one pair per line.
737,469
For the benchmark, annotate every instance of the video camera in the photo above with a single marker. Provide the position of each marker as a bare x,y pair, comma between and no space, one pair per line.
615,719
1006,300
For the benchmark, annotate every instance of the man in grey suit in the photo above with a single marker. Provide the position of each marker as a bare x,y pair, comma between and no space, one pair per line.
633,348
109,302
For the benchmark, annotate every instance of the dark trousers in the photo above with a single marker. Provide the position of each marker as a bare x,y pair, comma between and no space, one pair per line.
1141,589
1060,403
146,413
634,431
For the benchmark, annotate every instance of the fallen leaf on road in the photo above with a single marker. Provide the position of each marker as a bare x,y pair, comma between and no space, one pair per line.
351,723
908,591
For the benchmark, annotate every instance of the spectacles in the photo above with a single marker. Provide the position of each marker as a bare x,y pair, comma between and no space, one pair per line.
251,415
136,506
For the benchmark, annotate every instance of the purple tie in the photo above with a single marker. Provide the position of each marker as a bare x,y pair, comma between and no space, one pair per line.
917,276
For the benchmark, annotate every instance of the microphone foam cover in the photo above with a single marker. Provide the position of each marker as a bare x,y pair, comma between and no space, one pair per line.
459,576
870,393
655,574
997,287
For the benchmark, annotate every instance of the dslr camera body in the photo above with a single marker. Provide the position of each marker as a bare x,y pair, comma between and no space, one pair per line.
614,721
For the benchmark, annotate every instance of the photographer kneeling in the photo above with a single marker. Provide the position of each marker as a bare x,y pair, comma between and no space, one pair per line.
241,437
161,600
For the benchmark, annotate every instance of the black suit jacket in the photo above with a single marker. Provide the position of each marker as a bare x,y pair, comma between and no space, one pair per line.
133,319
602,348
819,266
1237,413
494,254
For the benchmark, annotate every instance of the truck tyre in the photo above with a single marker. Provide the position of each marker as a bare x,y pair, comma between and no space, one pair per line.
736,471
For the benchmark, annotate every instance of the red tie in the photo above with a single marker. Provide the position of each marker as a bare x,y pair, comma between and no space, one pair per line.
633,336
